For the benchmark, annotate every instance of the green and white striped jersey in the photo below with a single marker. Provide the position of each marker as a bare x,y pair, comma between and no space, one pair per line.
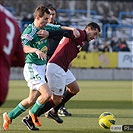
30,38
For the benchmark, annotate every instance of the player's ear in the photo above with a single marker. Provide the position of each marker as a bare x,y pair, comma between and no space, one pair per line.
37,17
88,29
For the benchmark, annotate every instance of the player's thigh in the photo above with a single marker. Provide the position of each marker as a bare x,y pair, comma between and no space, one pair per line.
69,77
73,87
34,75
45,91
71,83
56,78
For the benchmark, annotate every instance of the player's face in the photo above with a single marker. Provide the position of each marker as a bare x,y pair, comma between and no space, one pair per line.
91,34
43,20
52,16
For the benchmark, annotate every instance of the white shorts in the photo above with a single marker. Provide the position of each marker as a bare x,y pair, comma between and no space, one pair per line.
58,78
34,75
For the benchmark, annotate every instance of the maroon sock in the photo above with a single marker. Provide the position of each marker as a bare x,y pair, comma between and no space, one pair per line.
66,96
48,105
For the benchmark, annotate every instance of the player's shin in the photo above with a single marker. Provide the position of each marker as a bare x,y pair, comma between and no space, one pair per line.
66,97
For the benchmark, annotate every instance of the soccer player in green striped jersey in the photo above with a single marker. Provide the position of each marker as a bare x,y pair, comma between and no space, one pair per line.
35,49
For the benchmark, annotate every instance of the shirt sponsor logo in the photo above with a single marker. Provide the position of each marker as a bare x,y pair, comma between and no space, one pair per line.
27,36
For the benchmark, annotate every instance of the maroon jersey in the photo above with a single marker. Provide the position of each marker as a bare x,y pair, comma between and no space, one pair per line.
67,50
11,51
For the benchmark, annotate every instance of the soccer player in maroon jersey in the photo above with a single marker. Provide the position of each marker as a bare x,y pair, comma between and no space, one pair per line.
53,43
59,75
11,51
57,71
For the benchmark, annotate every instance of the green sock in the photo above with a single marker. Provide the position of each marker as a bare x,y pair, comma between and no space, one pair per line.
16,111
36,108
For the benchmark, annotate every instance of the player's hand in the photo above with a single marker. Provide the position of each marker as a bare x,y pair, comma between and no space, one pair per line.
43,33
76,33
41,55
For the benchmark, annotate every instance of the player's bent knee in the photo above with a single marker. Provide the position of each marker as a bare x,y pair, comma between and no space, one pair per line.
57,100
48,95
31,101
77,90
45,97
74,90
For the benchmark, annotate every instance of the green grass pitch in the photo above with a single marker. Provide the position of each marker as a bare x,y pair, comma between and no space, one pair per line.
94,98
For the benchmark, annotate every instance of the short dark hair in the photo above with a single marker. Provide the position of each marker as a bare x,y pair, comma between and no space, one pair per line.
51,8
40,10
93,26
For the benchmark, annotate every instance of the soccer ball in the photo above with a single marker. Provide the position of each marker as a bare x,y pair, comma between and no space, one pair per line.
106,119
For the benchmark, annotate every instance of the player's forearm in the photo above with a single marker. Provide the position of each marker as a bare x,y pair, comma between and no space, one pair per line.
28,49
67,28
76,33
65,33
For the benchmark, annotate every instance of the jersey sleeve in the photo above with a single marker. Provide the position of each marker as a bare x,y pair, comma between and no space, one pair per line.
26,40
27,36
65,33
50,27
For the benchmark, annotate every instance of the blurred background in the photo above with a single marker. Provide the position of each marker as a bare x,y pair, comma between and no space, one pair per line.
109,56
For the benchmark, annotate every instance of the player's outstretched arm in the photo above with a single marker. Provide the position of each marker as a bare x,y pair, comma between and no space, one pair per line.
52,34
76,33
65,33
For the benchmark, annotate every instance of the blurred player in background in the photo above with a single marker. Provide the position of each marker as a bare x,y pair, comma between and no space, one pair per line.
11,51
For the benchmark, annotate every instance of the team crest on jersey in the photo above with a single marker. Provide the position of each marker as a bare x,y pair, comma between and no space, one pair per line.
44,49
27,36
38,42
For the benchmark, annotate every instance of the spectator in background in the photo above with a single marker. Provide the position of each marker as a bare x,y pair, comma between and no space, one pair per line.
123,41
85,46
114,23
27,19
116,48
113,42
11,51
125,48
105,47
94,45
123,45
104,21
